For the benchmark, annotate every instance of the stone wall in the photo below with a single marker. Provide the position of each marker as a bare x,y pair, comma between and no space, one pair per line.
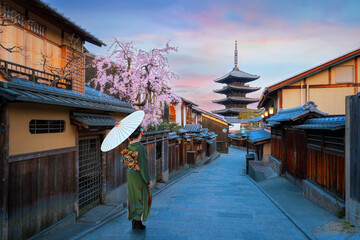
322,198
275,164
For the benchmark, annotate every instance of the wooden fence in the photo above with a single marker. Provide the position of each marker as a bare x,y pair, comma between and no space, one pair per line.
42,191
326,160
44,187
276,143
313,154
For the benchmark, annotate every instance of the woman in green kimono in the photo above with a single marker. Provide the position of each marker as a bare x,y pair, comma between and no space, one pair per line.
138,180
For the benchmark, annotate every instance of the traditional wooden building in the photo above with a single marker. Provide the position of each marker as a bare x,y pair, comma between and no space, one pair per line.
327,84
183,113
307,146
52,127
235,90
216,124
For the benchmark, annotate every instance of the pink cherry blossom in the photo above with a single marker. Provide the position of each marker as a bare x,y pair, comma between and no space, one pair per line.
139,77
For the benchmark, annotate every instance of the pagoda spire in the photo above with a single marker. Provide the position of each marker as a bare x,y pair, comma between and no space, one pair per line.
236,57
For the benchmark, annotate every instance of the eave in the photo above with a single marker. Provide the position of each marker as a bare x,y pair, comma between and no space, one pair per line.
230,88
309,73
236,100
49,14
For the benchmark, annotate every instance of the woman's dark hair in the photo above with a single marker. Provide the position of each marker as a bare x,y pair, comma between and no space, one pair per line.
136,133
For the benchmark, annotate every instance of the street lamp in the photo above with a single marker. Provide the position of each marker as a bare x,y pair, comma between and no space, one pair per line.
242,130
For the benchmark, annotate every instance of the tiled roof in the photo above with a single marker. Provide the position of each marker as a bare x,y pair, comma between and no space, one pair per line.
325,123
235,135
192,127
235,99
173,135
272,124
188,101
237,75
293,114
93,120
229,111
259,135
210,114
230,88
255,119
182,131
235,120
25,91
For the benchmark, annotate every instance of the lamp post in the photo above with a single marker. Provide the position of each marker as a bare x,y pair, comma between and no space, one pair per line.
242,130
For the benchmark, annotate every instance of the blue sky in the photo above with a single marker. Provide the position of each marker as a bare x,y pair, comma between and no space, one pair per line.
276,39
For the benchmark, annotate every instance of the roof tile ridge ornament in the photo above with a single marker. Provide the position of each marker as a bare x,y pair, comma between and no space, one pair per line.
236,58
310,105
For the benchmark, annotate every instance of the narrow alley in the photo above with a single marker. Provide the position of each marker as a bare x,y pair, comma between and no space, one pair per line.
214,202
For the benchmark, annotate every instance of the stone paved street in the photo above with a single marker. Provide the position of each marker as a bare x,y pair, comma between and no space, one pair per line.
215,202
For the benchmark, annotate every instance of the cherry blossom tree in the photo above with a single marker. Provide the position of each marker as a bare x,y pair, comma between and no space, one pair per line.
139,77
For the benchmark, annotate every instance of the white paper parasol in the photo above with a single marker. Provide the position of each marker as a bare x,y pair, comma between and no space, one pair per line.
122,131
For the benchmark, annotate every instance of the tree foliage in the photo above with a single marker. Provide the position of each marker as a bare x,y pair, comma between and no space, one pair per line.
139,77
249,114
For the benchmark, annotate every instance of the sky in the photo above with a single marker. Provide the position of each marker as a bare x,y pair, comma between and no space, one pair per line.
276,39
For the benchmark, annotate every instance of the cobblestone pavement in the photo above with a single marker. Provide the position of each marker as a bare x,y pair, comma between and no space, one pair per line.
215,202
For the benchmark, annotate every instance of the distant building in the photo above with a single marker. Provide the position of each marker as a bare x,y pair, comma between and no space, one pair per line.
188,113
326,84
235,91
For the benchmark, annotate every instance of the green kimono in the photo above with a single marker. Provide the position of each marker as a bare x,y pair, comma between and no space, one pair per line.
138,178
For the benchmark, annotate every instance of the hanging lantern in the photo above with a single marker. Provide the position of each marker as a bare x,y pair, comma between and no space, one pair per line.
262,115
266,114
271,111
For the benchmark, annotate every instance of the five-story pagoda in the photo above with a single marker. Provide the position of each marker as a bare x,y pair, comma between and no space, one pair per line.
235,90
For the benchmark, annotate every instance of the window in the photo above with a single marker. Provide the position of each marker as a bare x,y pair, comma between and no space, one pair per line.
36,27
11,14
46,126
344,74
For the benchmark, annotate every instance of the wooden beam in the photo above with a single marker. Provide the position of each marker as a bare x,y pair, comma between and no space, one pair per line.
4,172
27,156
182,114
280,99
356,76
313,71
329,76
325,85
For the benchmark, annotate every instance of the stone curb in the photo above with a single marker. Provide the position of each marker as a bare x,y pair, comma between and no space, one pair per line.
307,234
112,217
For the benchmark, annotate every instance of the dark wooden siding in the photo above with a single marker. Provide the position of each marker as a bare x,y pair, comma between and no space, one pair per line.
354,115
295,161
326,160
217,128
276,143
115,170
42,191
174,156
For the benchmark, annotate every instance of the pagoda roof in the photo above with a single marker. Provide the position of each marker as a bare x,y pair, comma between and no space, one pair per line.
236,100
229,111
236,75
230,88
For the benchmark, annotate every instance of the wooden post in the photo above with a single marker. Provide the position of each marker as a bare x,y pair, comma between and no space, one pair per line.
76,203
347,158
356,76
103,175
4,172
